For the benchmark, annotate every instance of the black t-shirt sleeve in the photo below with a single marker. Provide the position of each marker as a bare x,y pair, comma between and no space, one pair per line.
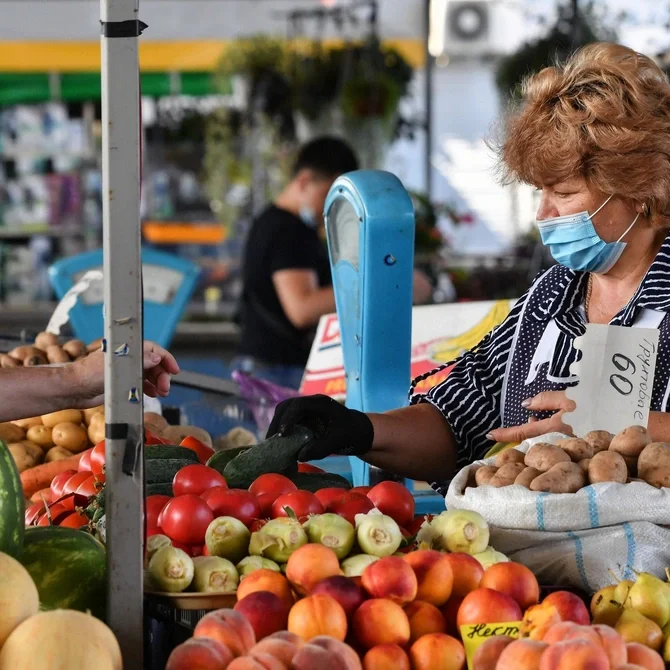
291,248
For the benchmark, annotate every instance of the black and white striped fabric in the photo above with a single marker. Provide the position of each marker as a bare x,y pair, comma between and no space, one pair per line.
487,384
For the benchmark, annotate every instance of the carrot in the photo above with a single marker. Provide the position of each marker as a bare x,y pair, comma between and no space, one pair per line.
37,497
40,476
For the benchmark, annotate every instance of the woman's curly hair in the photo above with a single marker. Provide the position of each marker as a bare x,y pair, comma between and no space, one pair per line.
604,115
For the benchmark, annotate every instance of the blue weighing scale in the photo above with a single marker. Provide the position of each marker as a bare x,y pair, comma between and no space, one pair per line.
370,229
169,282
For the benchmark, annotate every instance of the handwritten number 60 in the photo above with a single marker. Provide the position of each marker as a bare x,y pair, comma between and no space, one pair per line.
619,382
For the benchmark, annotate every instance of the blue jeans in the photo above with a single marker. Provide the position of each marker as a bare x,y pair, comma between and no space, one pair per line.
288,376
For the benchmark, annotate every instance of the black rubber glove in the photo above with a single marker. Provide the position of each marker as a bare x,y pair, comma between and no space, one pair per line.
337,430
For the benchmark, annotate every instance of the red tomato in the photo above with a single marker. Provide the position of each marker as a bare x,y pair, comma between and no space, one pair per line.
72,484
91,486
33,512
205,551
257,524
237,503
153,506
185,519
266,500
415,526
98,458
303,503
196,551
74,520
349,505
360,489
72,501
394,500
326,496
308,467
150,438
57,511
58,482
85,461
183,547
204,451
195,479
272,483
154,530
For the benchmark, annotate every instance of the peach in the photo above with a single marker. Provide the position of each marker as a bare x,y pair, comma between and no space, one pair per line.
326,654
266,580
391,578
380,621
385,656
487,654
280,649
558,632
579,633
310,564
537,620
265,612
613,644
434,575
288,637
646,658
467,573
318,615
574,655
258,662
484,606
515,580
524,654
424,618
570,607
201,653
630,666
450,612
347,658
228,627
349,594
437,650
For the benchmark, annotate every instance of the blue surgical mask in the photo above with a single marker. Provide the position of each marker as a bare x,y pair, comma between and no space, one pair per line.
575,244
308,217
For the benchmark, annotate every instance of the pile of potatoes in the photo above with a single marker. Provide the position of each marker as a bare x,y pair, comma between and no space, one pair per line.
47,350
54,436
575,463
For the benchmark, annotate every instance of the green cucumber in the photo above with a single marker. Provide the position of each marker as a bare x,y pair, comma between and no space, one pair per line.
162,470
221,458
315,481
12,505
162,489
167,451
68,567
278,454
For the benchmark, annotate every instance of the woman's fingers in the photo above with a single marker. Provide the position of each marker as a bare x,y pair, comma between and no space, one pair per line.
535,429
548,401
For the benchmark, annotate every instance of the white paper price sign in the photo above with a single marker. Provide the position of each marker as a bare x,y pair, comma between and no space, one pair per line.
616,378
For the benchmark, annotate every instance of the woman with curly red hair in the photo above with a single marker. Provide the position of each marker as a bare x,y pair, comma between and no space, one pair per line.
593,135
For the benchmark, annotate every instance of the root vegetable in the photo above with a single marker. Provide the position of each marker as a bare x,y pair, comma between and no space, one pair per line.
71,436
543,457
577,449
509,456
90,413
34,450
507,474
630,443
526,476
24,461
57,454
11,433
172,569
658,477
600,440
608,466
484,474
213,574
378,535
41,435
460,531
561,478
654,455
584,465
64,416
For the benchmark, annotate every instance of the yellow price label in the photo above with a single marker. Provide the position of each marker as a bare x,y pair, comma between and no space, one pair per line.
474,635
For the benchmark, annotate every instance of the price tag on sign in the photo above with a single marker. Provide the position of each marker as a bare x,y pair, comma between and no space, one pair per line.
616,378
474,635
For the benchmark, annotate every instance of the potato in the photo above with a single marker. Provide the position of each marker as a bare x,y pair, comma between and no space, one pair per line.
28,423
175,434
90,413
34,450
630,441
577,449
42,436
564,477
64,416
507,474
526,476
658,477
484,474
25,351
57,454
155,422
23,459
241,437
74,348
10,432
71,436
584,465
33,361
221,444
56,355
600,440
6,361
509,456
608,466
654,455
45,340
544,456
96,432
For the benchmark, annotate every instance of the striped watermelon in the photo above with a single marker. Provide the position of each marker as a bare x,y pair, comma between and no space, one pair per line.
68,567
12,505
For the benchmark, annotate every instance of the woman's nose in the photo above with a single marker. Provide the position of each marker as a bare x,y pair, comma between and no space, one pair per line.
546,210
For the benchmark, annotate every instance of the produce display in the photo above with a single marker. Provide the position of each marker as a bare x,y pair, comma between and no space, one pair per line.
575,463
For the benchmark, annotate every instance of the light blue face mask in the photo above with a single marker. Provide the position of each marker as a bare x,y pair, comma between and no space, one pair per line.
575,244
308,217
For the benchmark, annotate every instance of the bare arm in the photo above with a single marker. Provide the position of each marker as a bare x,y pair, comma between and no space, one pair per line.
414,442
303,302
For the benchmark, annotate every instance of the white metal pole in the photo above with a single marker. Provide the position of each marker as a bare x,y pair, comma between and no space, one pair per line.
123,323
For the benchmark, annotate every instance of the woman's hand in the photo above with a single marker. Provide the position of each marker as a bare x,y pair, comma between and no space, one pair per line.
552,401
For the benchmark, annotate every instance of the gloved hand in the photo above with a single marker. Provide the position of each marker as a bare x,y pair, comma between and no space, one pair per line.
337,430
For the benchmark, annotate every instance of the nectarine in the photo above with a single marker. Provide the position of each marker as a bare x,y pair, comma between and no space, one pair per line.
646,658
450,612
537,621
570,607
467,573
318,615
201,653
349,594
346,658
437,650
487,654
424,618
260,661
391,578
524,654
434,575
386,656
380,621
309,564
486,606
267,580
280,649
515,580
613,644
228,627
574,655
265,612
